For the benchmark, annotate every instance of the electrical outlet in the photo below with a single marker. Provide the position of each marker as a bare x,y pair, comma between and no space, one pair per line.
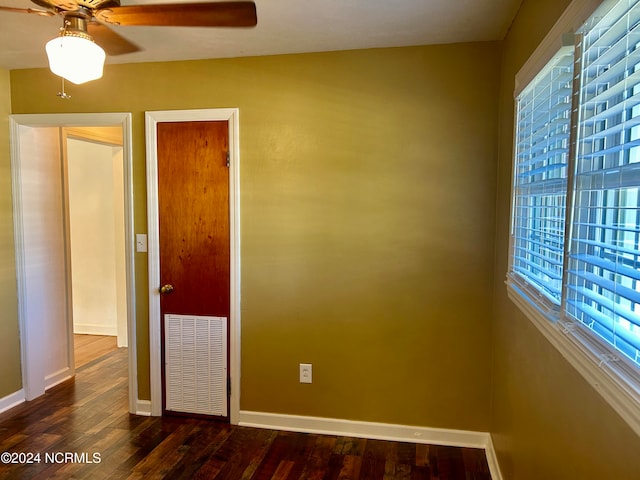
306,373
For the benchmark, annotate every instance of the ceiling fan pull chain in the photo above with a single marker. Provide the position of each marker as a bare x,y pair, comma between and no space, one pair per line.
63,94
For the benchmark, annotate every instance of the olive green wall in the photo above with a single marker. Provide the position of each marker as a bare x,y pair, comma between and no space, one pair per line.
547,422
367,218
10,374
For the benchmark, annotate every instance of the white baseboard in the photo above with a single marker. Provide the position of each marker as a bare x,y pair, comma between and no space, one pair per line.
12,400
143,407
492,460
379,431
89,329
57,377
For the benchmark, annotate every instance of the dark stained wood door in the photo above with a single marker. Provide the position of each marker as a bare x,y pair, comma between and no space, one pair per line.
193,204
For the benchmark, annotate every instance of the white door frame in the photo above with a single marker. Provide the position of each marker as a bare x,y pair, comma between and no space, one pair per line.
151,120
31,384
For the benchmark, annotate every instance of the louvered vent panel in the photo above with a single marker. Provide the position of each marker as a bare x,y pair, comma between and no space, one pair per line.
196,364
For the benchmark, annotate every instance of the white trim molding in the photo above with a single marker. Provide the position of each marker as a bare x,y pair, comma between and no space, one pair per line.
143,408
58,377
92,329
492,460
12,400
376,431
151,121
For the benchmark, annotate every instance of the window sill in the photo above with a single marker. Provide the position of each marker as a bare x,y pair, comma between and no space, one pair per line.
612,378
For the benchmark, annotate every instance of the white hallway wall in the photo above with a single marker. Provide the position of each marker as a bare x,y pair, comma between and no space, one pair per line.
45,328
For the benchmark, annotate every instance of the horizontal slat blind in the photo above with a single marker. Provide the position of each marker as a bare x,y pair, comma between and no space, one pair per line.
540,185
603,281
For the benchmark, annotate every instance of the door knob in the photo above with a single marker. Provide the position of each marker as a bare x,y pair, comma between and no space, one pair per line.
168,288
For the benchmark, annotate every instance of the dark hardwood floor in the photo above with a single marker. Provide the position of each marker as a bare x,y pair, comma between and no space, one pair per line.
81,429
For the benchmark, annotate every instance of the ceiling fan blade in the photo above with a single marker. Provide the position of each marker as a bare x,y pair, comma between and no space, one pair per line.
217,14
112,42
44,13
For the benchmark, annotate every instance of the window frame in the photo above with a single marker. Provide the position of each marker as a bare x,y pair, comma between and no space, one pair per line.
613,377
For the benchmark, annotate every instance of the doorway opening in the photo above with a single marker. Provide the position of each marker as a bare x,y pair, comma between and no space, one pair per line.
94,194
72,188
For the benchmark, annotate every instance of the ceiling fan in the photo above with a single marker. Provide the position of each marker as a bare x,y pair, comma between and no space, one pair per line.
78,53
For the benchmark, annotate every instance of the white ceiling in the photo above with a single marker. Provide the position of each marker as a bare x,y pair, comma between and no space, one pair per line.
284,26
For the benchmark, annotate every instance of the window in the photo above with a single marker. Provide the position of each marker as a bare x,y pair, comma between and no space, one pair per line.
603,282
575,236
540,177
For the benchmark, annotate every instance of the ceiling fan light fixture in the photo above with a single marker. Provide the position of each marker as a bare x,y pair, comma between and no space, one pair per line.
74,56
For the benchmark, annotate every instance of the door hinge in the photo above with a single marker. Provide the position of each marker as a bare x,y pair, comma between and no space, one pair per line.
228,159
229,386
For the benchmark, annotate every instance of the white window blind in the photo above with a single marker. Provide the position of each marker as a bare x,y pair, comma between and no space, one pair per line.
540,177
603,281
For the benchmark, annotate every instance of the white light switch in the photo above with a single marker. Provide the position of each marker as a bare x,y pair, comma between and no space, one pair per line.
141,242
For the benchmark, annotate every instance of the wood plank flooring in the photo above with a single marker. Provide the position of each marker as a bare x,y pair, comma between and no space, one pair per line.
88,348
81,430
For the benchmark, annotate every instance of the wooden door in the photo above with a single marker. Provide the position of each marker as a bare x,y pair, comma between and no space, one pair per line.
193,206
